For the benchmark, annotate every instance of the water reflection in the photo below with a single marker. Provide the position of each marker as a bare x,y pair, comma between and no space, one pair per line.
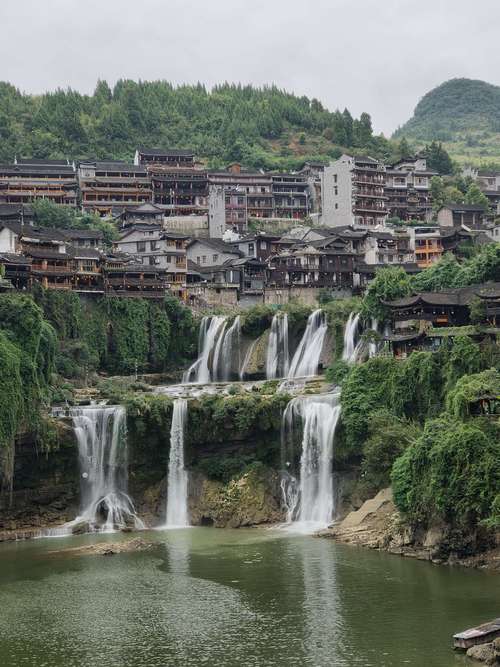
226,598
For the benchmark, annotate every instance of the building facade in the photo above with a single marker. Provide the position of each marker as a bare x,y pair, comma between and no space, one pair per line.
108,188
407,188
352,192
27,180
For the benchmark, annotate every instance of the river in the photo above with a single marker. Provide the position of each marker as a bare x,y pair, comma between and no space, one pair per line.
232,597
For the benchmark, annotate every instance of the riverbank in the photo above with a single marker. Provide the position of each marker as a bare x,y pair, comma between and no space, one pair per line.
378,525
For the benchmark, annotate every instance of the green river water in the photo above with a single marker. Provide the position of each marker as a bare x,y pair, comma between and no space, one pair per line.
233,597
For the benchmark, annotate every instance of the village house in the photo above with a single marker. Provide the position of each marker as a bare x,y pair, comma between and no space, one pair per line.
27,180
211,252
290,196
252,190
151,245
123,277
407,188
309,266
84,238
259,246
426,319
459,215
87,264
145,214
427,244
109,187
179,184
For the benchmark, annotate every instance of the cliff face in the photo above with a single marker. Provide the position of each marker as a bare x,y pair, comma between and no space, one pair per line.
45,484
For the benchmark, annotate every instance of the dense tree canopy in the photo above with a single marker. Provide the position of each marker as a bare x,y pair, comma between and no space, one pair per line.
261,127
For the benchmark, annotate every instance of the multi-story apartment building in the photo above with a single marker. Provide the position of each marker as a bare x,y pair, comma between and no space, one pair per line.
26,180
309,266
111,187
427,245
150,245
352,192
249,194
407,188
179,184
290,196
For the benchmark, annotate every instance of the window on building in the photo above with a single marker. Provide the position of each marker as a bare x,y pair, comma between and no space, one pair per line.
215,258
198,260
263,245
154,245
336,205
204,259
250,248
141,246
334,178
152,260
336,191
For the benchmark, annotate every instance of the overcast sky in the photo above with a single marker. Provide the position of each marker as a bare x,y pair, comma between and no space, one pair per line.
378,56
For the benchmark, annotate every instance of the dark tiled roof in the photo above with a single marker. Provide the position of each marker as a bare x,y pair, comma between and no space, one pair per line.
42,253
11,258
144,208
217,244
46,169
118,166
464,207
82,233
84,253
365,158
175,152
460,296
192,267
38,161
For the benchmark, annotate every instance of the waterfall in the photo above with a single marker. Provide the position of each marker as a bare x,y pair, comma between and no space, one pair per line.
210,330
309,500
277,358
227,358
218,352
352,348
101,433
306,358
177,511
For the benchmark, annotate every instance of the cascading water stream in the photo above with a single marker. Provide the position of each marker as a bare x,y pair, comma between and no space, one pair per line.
218,352
306,358
201,372
101,433
278,356
352,345
309,500
227,360
177,509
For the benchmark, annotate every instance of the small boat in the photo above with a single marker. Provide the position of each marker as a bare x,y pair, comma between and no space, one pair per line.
482,634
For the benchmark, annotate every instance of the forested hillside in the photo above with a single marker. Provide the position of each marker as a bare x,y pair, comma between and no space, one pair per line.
261,127
464,114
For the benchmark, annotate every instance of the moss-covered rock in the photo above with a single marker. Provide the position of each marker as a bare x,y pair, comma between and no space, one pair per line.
247,500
